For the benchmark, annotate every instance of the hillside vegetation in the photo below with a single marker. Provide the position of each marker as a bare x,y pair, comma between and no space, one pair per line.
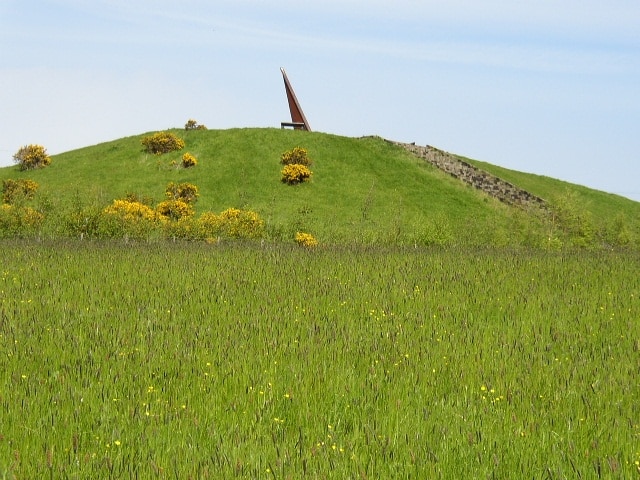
362,191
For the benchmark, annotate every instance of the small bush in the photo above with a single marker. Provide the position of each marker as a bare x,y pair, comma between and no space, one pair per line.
189,160
232,223
295,173
193,125
185,228
85,221
306,240
18,221
574,219
175,209
619,231
131,210
298,156
162,142
129,219
187,192
31,157
14,190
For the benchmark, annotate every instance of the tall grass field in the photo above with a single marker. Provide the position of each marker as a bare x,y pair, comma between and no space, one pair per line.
263,361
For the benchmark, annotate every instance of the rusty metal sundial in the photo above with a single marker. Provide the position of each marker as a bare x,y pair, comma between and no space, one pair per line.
298,120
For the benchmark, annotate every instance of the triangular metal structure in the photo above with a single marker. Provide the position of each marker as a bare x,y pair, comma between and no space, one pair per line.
298,120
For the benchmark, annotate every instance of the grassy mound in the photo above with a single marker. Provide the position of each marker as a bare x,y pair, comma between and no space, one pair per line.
363,191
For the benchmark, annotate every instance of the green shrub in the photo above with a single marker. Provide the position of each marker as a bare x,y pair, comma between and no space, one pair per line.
185,228
297,155
31,157
162,142
18,221
435,231
295,173
574,219
14,190
85,221
187,192
618,231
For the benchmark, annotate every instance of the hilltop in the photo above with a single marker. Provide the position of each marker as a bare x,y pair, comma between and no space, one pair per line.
363,190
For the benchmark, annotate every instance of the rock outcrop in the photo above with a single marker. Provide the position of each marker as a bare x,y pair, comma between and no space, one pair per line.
490,184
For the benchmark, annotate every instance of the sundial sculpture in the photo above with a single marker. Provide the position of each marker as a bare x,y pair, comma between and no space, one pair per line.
298,120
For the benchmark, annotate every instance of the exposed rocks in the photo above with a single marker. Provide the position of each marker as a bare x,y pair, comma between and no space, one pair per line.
490,184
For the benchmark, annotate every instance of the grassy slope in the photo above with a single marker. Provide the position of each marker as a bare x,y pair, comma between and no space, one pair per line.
361,188
602,205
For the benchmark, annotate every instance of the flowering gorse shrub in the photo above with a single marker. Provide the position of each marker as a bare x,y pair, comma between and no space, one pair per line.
231,223
131,211
185,228
295,173
187,192
13,190
31,157
189,160
296,166
16,220
129,219
162,142
193,125
175,209
306,240
297,155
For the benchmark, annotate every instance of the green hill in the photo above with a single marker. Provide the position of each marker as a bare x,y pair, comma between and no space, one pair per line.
363,190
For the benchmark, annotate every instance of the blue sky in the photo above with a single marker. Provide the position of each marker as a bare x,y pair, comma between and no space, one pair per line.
542,86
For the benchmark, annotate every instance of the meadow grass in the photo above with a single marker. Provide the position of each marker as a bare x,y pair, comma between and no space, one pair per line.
261,361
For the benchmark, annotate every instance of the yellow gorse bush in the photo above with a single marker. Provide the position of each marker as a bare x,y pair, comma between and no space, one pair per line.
32,156
232,223
187,192
31,217
18,220
12,190
306,240
184,228
297,155
162,142
189,160
130,219
175,209
131,211
25,216
295,173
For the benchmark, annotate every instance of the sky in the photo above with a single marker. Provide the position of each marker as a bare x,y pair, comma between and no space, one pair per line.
545,87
